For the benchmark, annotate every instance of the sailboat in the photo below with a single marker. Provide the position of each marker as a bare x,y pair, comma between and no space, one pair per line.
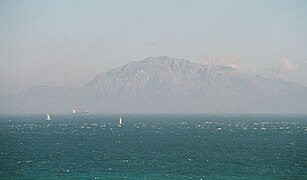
120,122
48,118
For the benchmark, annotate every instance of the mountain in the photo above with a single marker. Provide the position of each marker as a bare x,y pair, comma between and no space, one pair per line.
167,85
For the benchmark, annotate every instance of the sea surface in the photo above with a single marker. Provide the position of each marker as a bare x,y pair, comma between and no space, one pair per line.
187,146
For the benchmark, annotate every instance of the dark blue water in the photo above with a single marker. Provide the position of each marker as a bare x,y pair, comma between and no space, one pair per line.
153,147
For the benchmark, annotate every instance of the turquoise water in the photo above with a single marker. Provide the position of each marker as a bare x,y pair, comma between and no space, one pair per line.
153,147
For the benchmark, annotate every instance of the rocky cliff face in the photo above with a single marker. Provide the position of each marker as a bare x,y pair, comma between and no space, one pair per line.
163,84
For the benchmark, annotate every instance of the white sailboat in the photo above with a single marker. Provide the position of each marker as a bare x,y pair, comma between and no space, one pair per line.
120,122
48,118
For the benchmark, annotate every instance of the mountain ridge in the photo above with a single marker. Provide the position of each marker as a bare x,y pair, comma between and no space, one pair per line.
163,84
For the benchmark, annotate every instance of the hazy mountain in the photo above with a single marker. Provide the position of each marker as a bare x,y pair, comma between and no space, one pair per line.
163,84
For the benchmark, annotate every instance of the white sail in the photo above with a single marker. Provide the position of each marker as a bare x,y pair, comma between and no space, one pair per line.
48,118
120,121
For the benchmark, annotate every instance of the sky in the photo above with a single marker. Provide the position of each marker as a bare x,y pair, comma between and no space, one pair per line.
60,43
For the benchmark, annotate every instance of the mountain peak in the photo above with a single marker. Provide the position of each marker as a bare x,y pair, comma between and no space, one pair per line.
161,69
162,60
168,61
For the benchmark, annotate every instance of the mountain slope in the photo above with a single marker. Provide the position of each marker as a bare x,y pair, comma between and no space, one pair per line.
163,84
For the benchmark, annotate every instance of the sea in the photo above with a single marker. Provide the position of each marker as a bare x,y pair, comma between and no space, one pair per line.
153,146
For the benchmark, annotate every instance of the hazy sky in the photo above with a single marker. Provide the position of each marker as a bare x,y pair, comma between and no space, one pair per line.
67,42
